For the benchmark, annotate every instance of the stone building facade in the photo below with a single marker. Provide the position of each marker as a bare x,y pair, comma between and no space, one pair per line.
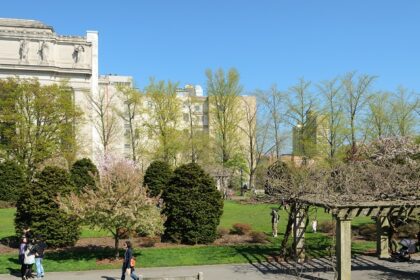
31,49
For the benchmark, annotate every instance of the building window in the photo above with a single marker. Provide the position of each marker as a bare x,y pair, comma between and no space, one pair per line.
186,117
197,108
127,146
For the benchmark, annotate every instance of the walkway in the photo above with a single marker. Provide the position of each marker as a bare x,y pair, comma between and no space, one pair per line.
363,268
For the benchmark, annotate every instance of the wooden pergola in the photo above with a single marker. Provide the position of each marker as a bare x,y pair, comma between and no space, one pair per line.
343,214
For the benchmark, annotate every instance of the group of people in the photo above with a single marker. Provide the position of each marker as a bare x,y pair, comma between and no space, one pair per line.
31,251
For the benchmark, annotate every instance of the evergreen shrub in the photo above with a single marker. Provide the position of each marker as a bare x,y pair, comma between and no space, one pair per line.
157,177
37,208
193,206
82,173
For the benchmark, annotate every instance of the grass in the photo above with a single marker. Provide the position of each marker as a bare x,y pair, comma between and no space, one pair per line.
7,227
257,215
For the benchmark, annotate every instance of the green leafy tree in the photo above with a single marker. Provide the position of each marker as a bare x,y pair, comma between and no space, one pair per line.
38,209
193,206
37,122
12,181
157,177
164,110
224,110
83,173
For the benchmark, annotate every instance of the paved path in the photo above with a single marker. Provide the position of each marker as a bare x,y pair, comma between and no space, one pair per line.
363,268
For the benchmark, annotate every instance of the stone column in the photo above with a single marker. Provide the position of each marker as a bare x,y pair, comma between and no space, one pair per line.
343,250
382,228
299,227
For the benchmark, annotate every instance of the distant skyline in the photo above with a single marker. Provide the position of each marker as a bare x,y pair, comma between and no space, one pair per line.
268,42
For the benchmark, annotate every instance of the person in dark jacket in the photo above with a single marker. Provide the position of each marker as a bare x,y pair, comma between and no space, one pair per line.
127,267
38,250
22,247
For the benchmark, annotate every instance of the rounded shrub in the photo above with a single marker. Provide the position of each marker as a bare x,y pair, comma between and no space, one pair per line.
38,209
157,177
12,181
193,206
82,173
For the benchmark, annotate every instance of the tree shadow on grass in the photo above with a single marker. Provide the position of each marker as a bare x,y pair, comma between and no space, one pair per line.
81,253
10,241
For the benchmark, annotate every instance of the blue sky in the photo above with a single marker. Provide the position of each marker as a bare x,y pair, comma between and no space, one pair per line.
268,41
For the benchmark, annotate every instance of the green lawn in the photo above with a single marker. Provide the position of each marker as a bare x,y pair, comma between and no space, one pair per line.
257,215
7,227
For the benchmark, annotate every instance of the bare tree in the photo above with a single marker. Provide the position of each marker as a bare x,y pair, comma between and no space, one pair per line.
197,138
332,116
379,115
404,106
301,114
249,128
356,92
103,117
130,114
273,100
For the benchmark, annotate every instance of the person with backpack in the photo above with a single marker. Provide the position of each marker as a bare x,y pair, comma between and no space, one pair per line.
129,262
38,250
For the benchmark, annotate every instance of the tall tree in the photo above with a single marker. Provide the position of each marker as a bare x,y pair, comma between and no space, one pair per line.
301,114
164,111
37,122
224,110
103,118
356,95
332,116
131,113
195,129
404,106
379,115
273,100
249,129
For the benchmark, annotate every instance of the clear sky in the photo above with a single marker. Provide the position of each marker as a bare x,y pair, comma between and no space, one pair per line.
268,41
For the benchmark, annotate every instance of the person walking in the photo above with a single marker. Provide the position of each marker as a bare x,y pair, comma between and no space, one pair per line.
38,250
274,221
129,263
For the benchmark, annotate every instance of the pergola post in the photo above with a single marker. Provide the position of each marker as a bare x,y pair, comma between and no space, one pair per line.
382,245
299,227
343,248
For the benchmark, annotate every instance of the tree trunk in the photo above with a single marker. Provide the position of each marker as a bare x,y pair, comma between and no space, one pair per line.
291,218
116,244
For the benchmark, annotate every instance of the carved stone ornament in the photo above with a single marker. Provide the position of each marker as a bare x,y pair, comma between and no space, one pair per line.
23,50
77,53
